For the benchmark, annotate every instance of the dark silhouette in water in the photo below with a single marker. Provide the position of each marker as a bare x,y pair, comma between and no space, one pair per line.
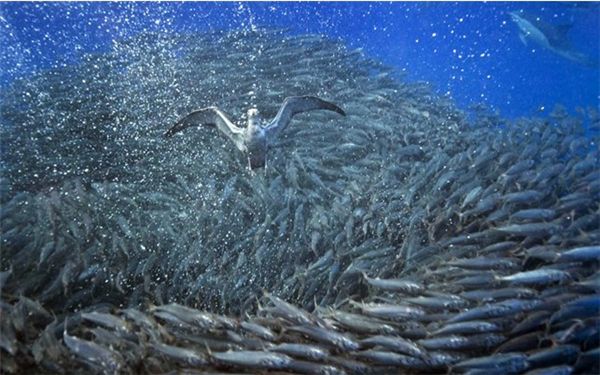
551,37
255,139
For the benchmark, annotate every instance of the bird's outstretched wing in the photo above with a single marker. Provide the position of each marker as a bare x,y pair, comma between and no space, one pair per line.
294,105
210,116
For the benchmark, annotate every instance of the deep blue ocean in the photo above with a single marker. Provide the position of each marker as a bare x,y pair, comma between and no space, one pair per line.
469,51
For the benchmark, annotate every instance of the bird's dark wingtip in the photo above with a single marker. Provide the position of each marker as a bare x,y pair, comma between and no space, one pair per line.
337,109
331,106
174,129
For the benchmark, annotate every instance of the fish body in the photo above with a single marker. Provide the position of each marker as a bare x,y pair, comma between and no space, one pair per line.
110,362
496,310
536,277
253,359
548,36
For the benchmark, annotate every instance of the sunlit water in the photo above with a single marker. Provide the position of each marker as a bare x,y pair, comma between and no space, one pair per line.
469,51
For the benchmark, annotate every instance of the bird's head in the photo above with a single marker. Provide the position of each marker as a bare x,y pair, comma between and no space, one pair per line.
253,117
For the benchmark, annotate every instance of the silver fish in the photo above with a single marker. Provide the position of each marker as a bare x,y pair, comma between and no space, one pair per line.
253,359
326,336
389,311
396,344
394,285
110,362
305,351
183,355
536,277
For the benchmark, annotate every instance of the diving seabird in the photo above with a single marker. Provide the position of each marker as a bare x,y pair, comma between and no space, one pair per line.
254,139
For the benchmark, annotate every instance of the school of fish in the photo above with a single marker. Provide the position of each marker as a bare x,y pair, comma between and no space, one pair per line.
408,237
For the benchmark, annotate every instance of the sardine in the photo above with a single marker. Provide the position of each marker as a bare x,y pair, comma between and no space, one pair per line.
536,277
253,359
110,362
326,336
496,310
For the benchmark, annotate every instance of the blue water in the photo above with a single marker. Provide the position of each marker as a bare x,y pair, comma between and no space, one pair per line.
469,51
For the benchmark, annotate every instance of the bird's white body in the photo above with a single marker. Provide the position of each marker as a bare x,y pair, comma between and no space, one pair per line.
255,138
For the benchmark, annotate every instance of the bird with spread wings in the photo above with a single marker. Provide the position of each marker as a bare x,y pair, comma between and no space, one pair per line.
255,138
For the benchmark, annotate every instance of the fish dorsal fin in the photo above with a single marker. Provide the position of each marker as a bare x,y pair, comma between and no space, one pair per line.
564,29
559,38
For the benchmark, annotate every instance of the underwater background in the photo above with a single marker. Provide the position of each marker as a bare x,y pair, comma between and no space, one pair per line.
449,222
470,51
